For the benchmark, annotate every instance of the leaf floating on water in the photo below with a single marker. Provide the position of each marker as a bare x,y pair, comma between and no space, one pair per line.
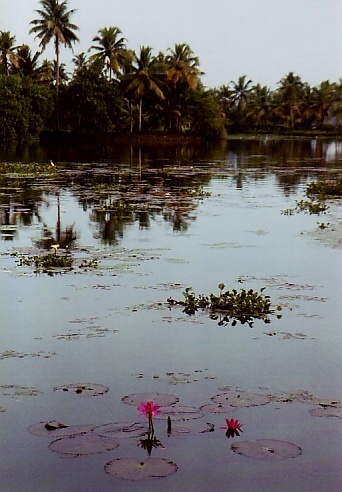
162,399
327,411
267,449
84,389
179,413
57,429
133,469
121,430
241,399
218,408
82,445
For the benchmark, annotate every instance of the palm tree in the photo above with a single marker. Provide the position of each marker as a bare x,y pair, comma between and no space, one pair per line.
182,66
146,77
240,92
290,93
111,47
8,55
80,61
259,106
54,24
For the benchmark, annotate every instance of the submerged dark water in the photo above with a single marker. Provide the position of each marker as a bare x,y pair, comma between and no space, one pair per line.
192,216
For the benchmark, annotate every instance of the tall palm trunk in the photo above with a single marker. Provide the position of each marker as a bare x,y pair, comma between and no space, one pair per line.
57,82
140,114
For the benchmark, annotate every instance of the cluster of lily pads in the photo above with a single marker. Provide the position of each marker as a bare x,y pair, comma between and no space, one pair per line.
229,306
173,420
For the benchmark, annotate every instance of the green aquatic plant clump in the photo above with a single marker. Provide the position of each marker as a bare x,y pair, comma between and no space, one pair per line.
324,190
230,306
47,263
317,192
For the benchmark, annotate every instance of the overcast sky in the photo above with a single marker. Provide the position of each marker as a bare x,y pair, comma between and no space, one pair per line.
263,39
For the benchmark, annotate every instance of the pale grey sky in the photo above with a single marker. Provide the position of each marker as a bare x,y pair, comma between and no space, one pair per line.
263,39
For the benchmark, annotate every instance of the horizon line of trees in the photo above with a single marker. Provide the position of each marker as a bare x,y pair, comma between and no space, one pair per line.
114,89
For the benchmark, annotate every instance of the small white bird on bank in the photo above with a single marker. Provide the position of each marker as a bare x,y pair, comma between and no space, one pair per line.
52,164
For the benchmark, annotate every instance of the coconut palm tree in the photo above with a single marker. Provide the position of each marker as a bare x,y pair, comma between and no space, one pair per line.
146,77
111,48
8,54
182,66
54,24
290,93
240,92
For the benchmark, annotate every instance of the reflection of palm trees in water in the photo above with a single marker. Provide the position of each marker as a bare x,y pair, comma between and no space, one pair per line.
64,238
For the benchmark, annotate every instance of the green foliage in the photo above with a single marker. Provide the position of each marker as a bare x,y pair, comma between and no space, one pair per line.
24,108
317,192
232,305
91,103
47,263
323,190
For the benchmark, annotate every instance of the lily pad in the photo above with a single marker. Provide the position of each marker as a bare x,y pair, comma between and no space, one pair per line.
83,389
163,399
327,411
218,408
241,399
121,430
57,429
82,445
267,449
133,469
179,413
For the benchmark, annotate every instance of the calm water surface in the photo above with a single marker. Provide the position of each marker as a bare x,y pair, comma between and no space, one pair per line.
111,325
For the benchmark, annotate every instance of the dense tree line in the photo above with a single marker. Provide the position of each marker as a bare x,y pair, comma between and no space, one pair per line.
114,89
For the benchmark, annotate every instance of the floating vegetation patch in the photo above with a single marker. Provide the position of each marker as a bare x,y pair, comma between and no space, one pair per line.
133,469
20,355
54,428
267,449
83,389
82,445
121,430
318,193
162,399
15,390
48,263
218,408
287,335
179,413
327,411
225,245
241,399
244,306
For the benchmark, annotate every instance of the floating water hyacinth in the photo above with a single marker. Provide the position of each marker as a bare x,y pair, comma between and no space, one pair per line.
233,428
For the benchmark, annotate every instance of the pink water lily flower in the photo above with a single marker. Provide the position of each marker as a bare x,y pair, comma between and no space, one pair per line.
232,425
233,428
149,409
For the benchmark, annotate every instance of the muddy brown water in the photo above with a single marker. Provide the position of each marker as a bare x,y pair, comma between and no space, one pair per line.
200,216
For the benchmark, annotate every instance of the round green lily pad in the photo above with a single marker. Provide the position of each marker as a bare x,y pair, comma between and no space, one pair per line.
179,413
121,430
82,445
133,469
83,389
162,399
267,449
241,399
57,429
